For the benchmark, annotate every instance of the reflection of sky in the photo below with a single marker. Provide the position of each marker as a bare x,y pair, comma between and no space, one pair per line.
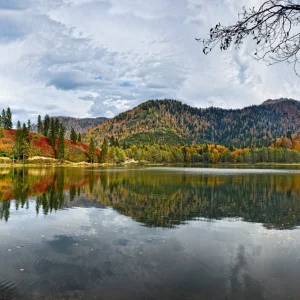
94,251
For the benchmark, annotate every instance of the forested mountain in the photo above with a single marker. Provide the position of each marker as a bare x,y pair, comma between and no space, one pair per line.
172,122
79,124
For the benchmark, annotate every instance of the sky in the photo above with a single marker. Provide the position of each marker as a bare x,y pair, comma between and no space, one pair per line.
91,58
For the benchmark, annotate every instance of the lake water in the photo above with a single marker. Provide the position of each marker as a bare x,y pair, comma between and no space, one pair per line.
149,233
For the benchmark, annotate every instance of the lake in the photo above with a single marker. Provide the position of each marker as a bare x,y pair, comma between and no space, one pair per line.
149,233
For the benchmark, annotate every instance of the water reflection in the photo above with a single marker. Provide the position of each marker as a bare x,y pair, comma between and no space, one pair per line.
155,198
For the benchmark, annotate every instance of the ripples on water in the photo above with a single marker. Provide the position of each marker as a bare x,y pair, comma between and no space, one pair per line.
155,233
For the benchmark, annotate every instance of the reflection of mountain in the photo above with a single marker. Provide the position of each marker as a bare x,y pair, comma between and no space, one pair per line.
162,199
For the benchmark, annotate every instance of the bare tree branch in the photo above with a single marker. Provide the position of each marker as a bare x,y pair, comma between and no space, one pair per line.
273,27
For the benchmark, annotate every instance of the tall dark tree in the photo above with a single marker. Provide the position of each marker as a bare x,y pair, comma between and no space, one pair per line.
8,119
56,127
273,27
61,144
3,118
52,133
46,125
73,136
92,150
79,137
29,125
104,150
40,127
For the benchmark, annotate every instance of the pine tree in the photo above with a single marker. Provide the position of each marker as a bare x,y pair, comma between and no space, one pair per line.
40,127
92,151
79,137
46,125
73,136
18,142
56,127
61,144
3,118
103,153
52,133
29,125
8,119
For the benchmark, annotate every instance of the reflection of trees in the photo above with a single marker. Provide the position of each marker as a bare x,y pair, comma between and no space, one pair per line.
160,200
163,199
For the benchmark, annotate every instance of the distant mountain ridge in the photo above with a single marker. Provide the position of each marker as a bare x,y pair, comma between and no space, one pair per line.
280,100
79,124
256,125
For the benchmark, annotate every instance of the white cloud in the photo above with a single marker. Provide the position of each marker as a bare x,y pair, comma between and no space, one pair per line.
100,57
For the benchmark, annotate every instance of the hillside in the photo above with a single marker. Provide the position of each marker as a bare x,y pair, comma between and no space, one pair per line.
79,124
257,125
40,147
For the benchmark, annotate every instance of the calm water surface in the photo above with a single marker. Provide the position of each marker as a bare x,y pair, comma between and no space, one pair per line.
151,233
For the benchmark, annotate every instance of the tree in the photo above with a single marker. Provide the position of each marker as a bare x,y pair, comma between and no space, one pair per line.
92,150
2,118
8,119
79,137
272,26
73,136
61,144
52,133
29,125
46,125
40,127
103,153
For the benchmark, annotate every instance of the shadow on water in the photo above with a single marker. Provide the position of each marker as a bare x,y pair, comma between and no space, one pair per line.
157,199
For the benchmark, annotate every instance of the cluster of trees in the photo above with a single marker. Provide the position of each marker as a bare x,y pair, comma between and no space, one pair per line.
74,137
206,154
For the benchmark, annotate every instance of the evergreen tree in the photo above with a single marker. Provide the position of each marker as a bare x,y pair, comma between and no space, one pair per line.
73,136
92,151
40,127
104,150
61,144
29,125
18,146
2,118
8,119
56,127
79,137
52,133
46,125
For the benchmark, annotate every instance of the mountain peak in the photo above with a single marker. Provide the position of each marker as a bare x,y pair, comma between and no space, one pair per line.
276,101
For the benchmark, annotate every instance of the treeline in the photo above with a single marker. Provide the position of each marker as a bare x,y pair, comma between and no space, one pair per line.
206,154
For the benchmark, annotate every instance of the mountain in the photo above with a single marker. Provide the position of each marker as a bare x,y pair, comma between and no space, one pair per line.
172,122
79,124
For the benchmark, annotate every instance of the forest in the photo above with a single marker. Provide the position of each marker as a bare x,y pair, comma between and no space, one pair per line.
162,145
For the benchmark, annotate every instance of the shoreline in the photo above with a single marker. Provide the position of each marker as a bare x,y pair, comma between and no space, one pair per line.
53,164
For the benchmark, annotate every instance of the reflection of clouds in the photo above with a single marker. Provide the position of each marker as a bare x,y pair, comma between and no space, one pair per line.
241,283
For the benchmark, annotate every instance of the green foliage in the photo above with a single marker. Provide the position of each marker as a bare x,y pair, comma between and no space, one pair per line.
46,125
61,144
2,132
92,151
40,126
73,136
155,137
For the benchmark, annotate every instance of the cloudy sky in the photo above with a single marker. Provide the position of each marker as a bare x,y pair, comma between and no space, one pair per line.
100,57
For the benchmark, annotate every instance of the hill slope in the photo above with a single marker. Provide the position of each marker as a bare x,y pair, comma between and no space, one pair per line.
40,147
254,125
